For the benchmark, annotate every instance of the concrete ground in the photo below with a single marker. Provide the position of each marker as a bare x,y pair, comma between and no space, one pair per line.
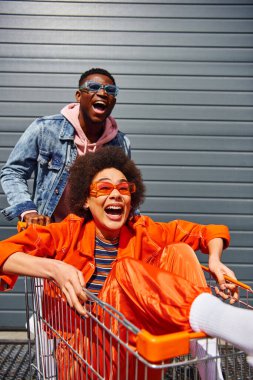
13,335
15,356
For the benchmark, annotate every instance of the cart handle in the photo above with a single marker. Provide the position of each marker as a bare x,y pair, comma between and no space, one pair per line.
230,279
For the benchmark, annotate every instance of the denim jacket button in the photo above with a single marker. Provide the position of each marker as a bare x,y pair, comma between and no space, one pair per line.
56,191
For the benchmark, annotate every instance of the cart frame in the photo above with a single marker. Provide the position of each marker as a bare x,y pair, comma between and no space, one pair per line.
54,324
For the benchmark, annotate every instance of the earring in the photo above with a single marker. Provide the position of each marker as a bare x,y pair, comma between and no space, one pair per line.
85,207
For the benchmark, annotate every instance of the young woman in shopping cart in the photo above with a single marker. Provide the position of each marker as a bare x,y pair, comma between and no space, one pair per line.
145,269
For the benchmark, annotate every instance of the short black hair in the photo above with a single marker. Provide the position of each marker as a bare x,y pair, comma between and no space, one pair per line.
86,167
95,70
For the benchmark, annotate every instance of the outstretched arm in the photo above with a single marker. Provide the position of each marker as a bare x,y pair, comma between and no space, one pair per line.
22,162
69,279
219,270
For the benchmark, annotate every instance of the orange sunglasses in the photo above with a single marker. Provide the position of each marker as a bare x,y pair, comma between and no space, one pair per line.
99,189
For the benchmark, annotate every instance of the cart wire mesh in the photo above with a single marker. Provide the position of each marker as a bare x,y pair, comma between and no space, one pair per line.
105,345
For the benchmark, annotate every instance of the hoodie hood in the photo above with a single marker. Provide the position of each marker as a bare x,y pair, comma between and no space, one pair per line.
71,113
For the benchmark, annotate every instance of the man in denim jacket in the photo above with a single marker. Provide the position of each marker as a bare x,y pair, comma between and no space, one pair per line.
50,144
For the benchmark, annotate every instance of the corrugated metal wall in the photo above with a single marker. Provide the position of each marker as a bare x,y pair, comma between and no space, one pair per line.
185,73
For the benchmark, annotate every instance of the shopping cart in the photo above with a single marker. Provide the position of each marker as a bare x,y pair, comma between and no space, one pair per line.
107,346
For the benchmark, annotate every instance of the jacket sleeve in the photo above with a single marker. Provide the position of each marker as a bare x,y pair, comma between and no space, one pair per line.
123,141
35,240
17,170
127,146
196,235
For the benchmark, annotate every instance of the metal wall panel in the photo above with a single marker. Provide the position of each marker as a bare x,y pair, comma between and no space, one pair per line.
185,73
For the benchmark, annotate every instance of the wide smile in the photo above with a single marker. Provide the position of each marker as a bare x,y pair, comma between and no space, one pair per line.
99,106
114,212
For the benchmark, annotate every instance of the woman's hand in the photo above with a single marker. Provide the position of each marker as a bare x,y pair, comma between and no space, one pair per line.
71,283
69,279
226,289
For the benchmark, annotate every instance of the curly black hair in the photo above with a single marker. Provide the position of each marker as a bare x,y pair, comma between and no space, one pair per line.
95,70
86,167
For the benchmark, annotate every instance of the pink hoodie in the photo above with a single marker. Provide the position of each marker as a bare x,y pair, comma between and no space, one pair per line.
71,112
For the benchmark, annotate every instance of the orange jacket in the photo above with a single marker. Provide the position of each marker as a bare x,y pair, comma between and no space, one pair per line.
73,241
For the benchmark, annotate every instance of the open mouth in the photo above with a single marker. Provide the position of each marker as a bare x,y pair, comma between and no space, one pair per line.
114,210
99,106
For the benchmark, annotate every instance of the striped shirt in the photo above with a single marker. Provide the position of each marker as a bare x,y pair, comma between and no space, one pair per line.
105,255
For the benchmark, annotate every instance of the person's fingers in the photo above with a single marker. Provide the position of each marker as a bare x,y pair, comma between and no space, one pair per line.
236,296
68,298
47,220
233,289
221,280
78,285
225,289
72,283
220,277
37,220
29,216
234,299
221,293
231,286
73,299
41,220
29,221
234,293
231,294
81,279
32,220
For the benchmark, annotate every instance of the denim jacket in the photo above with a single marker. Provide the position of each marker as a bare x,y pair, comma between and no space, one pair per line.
46,148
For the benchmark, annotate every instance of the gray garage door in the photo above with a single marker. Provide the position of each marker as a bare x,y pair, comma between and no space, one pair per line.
185,73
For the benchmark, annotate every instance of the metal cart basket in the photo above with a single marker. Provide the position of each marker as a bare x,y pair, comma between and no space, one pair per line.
70,347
